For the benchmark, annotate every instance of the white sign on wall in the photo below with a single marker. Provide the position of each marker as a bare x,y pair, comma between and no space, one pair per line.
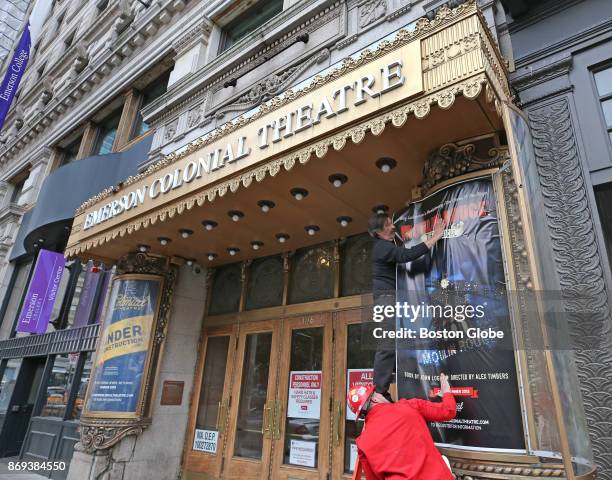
304,395
206,441
302,453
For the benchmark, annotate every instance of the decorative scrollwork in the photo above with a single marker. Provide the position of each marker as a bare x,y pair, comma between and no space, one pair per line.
452,160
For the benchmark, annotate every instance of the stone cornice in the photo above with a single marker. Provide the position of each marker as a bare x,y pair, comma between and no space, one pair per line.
213,74
12,211
130,39
544,74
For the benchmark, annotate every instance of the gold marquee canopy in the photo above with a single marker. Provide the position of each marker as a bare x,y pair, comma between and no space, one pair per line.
431,63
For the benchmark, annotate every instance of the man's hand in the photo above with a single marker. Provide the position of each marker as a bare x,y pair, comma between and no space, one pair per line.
444,385
436,233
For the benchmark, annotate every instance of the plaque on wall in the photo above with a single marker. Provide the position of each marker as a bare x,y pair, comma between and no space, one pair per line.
172,392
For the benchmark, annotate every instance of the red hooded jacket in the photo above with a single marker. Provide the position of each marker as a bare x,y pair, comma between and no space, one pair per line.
396,444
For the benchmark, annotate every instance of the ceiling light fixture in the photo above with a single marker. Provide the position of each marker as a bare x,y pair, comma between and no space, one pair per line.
344,221
190,261
185,232
311,229
299,193
233,250
386,164
143,248
256,245
266,205
211,256
235,215
381,209
164,240
282,237
338,179
209,224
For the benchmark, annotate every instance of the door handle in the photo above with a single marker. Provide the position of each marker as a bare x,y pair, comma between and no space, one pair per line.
222,417
265,424
277,420
337,419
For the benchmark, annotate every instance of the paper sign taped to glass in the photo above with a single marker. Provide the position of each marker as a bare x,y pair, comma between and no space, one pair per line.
457,311
124,345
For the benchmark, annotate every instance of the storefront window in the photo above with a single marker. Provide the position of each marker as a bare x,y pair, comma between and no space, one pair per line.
79,401
356,256
58,386
14,301
225,294
8,383
265,288
302,429
312,274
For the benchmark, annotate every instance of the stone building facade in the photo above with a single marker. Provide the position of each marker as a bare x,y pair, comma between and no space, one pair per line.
118,89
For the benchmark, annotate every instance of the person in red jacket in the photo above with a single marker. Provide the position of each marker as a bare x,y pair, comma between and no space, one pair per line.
395,443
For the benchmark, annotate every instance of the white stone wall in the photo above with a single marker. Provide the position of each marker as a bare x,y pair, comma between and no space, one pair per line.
156,453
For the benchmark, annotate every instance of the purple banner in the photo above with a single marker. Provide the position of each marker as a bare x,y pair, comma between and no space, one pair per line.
87,297
14,72
40,298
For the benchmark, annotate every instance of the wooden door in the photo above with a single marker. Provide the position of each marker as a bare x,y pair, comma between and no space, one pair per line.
302,412
210,402
249,438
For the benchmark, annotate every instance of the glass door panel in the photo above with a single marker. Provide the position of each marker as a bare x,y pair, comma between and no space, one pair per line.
211,394
301,424
253,396
252,405
354,360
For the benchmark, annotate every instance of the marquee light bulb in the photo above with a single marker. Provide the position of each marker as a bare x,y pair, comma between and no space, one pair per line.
385,168
211,256
235,218
299,196
265,208
343,222
337,183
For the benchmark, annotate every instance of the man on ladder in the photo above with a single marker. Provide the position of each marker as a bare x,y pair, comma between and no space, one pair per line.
395,443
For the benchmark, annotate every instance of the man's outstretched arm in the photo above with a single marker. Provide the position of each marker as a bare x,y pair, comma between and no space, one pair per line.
436,411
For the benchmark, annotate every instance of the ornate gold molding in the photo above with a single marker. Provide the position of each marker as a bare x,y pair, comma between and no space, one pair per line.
444,98
423,27
452,160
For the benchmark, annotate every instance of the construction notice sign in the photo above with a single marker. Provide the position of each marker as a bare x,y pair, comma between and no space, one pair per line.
453,317
304,395
357,377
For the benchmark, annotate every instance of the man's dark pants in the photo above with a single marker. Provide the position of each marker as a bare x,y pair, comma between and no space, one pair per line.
384,360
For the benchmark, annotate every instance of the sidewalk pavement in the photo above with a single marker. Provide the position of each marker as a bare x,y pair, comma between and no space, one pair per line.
6,474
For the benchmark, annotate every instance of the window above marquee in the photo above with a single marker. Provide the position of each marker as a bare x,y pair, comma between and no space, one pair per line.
248,21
